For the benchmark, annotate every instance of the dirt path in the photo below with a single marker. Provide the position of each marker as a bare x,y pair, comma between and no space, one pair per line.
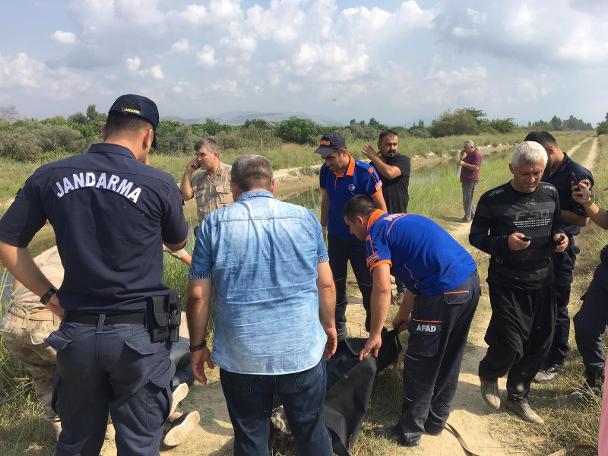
592,156
573,150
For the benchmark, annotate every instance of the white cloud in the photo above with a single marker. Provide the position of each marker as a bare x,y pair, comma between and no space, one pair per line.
181,45
143,13
532,89
225,9
20,72
156,72
24,72
229,88
206,56
133,63
330,62
194,14
465,76
64,37
526,30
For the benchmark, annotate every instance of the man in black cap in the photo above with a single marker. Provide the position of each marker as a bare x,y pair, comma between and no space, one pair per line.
341,178
111,214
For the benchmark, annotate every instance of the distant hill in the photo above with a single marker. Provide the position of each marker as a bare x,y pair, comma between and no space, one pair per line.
239,117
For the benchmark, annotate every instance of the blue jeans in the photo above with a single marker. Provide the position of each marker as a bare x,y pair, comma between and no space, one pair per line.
249,400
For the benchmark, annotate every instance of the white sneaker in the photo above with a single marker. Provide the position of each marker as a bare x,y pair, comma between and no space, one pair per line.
179,394
182,425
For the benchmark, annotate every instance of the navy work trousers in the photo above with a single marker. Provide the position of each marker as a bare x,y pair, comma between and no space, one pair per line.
115,369
249,399
590,324
341,251
438,329
519,335
559,347
563,264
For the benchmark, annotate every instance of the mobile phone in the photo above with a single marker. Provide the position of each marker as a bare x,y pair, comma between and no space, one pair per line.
560,239
526,238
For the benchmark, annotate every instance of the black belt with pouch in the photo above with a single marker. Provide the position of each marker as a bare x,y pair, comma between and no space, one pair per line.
164,317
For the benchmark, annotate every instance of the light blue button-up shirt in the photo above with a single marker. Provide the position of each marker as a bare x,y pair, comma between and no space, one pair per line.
262,257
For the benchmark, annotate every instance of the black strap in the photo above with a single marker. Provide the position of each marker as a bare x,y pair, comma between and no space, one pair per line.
88,318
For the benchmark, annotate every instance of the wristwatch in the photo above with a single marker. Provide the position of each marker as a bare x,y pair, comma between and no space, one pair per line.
48,295
198,347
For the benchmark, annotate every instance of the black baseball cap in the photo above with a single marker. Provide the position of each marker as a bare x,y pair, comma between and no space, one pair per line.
139,106
330,143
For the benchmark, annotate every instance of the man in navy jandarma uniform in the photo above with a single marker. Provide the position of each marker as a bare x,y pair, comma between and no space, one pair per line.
341,178
111,213
442,292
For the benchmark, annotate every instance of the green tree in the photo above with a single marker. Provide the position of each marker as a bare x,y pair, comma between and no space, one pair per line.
78,118
556,123
503,125
261,124
298,130
458,122
602,128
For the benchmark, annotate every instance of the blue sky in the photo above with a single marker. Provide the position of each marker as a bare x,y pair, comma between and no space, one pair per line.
397,61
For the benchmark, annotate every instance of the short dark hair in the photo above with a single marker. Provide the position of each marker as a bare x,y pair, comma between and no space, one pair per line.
386,133
129,124
207,143
359,205
544,138
251,171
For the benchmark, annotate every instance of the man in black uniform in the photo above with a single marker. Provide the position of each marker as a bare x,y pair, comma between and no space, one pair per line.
394,171
111,214
561,171
591,320
519,225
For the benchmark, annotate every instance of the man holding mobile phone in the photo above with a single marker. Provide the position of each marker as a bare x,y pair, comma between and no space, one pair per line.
519,225
211,186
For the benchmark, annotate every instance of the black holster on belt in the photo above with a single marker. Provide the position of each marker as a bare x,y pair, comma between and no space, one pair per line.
164,317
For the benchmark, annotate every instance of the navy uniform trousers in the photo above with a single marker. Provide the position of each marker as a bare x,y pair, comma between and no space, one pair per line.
590,324
116,369
340,252
438,329
564,267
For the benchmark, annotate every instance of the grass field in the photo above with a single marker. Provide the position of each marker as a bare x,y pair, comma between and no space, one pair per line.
434,192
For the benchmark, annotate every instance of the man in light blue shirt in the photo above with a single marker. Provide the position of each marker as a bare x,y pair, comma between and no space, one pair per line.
266,265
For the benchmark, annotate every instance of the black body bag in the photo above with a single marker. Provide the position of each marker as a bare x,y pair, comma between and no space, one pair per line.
349,387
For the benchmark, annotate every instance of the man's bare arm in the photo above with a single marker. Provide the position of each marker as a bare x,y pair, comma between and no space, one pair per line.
21,265
186,185
378,199
380,302
572,218
388,171
197,314
327,306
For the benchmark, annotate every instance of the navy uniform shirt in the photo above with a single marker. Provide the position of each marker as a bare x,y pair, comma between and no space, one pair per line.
358,179
110,213
561,180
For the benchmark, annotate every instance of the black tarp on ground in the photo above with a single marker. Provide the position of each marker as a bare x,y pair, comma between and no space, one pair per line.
349,387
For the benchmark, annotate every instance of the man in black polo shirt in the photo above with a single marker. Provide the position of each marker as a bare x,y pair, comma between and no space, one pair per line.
562,171
111,213
394,171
